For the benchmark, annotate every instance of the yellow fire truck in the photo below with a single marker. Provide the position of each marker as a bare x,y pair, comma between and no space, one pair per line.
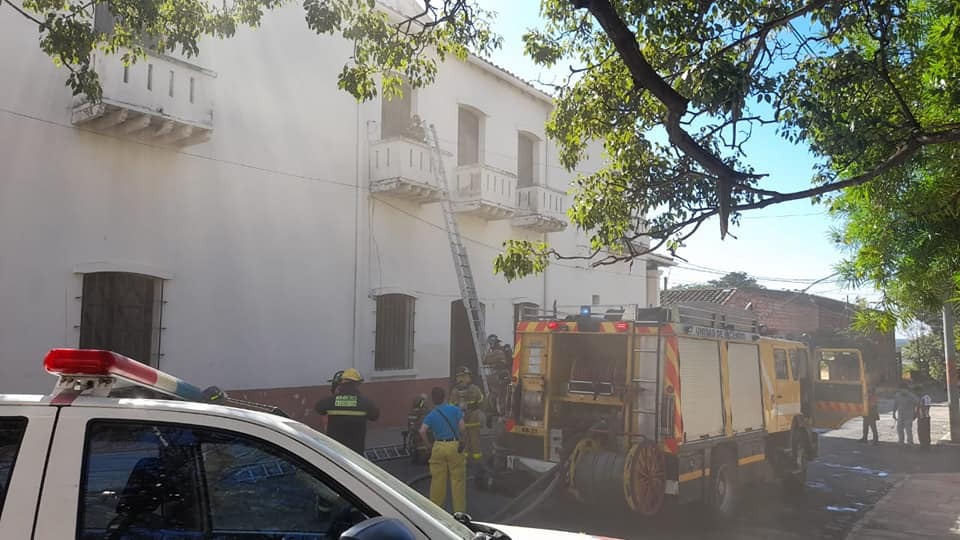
636,406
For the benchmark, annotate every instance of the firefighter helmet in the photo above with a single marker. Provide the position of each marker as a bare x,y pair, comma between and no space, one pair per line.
346,375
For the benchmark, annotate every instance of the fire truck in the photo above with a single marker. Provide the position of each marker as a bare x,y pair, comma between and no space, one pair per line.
639,407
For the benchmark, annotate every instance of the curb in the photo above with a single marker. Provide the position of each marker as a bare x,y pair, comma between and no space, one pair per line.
863,520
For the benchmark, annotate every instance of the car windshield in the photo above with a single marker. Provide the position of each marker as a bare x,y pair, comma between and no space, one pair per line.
413,498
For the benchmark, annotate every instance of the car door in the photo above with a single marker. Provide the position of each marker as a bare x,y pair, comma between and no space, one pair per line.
24,438
787,389
123,473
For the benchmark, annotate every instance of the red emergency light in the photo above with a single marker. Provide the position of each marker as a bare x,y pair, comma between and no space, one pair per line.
93,362
556,325
621,326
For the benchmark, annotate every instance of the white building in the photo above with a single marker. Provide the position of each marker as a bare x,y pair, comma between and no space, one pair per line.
248,225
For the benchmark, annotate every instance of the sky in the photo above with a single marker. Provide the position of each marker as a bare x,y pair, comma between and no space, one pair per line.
787,241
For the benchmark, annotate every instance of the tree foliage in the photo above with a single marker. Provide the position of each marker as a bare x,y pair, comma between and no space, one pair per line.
730,280
673,90
926,354
388,48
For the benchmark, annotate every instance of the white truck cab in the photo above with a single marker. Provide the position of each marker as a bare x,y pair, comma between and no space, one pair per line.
80,464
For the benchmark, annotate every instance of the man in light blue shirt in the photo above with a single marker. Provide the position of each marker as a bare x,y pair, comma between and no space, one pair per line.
445,421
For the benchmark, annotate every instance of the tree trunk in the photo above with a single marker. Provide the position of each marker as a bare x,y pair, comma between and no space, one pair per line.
950,355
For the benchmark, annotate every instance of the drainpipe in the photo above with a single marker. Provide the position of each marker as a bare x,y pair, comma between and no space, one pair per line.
546,184
356,246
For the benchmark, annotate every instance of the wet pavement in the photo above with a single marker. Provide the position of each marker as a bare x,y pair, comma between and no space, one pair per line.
846,481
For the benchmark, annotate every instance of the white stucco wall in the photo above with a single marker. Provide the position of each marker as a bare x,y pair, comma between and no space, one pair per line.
270,242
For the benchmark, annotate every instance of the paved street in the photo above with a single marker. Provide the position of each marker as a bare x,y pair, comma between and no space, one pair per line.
847,480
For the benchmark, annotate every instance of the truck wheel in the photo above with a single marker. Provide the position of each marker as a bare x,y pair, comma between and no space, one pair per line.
795,480
723,489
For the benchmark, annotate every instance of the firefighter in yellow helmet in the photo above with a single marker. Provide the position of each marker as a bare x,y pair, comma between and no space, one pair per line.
469,398
347,411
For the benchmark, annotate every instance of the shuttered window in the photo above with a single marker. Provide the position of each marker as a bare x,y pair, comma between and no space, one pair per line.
394,339
121,312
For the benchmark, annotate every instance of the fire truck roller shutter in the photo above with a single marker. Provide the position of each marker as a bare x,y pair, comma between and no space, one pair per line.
702,403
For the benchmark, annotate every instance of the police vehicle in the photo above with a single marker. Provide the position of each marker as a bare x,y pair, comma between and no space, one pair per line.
84,463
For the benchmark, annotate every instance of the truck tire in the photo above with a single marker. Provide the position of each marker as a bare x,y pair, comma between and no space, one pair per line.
723,489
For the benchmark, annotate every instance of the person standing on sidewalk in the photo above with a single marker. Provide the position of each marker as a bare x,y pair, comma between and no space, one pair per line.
904,406
873,414
445,421
923,421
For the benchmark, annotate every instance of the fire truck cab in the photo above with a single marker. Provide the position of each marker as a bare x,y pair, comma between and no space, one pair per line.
635,406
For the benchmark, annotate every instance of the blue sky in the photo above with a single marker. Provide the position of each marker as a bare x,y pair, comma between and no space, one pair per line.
786,241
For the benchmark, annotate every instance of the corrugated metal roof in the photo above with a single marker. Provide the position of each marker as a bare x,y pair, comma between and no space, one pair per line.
684,296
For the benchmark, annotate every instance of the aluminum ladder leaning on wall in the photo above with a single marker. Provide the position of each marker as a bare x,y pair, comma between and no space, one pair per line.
461,261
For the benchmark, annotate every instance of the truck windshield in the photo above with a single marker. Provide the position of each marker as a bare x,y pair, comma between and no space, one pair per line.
398,488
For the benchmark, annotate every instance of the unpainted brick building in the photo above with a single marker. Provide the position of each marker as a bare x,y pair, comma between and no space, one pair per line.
798,315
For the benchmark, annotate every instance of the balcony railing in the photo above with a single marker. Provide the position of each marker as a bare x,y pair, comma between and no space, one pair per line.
540,209
485,192
402,168
160,99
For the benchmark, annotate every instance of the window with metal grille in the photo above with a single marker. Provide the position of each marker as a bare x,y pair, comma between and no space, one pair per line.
394,339
121,312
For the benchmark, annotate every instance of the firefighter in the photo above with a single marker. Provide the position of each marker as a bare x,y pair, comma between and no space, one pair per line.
347,411
469,398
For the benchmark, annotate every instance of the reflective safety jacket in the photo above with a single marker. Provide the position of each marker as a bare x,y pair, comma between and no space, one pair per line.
347,416
470,400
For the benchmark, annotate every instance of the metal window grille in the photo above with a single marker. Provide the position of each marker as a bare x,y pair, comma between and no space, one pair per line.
394,332
121,312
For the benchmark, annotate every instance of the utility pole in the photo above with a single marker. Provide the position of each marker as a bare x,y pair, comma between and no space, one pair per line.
950,354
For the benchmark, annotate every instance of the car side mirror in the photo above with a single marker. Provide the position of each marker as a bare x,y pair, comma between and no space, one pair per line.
378,528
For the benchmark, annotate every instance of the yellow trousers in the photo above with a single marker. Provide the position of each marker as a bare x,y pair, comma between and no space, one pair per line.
446,462
472,441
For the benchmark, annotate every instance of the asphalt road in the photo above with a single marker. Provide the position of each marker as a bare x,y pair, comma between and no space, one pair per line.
848,479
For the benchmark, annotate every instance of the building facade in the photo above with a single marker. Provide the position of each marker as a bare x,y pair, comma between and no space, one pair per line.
236,220
795,315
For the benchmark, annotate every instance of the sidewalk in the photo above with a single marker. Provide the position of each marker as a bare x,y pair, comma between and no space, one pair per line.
921,506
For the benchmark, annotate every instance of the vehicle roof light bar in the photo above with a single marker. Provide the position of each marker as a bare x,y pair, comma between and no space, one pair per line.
90,364
98,363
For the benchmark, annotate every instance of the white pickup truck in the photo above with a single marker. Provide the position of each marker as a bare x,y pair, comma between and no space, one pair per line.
82,464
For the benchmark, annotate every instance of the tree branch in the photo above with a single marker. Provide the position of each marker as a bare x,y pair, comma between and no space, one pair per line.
766,27
646,77
25,14
904,153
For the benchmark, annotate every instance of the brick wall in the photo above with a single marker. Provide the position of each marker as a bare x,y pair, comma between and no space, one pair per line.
787,314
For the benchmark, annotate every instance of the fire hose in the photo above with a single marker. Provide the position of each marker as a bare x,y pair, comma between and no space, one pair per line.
553,477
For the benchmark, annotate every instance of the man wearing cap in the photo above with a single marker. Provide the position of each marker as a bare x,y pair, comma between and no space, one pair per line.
347,411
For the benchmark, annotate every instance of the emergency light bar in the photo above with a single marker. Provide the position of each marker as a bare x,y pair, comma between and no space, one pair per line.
97,363
93,363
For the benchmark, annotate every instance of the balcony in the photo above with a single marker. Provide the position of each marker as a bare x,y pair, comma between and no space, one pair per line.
485,192
401,167
158,99
540,209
